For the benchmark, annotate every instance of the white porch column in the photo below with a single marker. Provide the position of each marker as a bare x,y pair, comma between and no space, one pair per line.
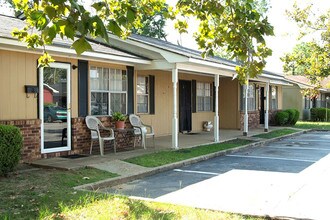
267,107
175,114
246,116
216,109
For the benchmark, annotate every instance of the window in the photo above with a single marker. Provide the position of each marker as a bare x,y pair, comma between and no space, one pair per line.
274,97
251,98
108,90
204,97
307,102
142,94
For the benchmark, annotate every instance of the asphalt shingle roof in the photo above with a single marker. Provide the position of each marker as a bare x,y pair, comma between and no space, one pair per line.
7,24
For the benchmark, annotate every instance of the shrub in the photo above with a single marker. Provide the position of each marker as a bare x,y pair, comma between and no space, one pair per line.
281,117
319,114
296,117
314,114
292,114
11,143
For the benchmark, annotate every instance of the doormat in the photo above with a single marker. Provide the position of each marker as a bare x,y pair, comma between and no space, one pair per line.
74,156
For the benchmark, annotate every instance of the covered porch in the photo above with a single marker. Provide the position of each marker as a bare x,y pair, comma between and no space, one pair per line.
161,143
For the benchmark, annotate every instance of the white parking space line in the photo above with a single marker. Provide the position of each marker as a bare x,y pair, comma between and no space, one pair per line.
300,148
271,158
197,172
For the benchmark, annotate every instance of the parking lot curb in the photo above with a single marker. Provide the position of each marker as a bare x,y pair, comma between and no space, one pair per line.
152,171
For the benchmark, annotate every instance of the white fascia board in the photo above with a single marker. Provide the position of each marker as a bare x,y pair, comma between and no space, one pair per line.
212,64
191,67
14,45
156,65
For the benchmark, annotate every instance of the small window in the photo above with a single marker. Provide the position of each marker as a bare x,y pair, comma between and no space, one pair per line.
204,96
274,96
142,94
251,98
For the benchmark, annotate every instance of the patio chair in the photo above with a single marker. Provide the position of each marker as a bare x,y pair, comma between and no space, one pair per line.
95,125
141,130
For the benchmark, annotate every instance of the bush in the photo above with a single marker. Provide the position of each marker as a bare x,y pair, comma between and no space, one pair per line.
314,114
281,118
319,114
296,117
292,114
11,143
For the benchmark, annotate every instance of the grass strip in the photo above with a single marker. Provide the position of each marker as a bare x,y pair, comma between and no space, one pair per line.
276,133
35,194
167,157
312,125
48,194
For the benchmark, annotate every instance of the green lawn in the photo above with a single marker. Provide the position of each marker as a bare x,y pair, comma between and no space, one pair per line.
276,133
167,157
49,194
312,125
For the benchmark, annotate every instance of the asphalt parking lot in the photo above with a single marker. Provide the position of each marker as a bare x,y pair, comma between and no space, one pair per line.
269,180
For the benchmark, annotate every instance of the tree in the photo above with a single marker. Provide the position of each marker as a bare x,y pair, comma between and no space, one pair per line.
311,58
233,24
153,26
295,62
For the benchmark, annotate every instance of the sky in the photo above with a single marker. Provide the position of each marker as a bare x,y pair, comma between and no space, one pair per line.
286,31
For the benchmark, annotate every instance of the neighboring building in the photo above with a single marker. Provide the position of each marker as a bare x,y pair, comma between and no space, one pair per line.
295,98
170,87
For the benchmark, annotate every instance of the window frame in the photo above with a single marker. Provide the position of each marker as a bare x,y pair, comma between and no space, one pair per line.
147,89
251,96
108,90
210,96
272,107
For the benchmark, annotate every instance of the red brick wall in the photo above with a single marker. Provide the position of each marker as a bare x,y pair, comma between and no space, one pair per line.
80,140
81,136
254,119
30,130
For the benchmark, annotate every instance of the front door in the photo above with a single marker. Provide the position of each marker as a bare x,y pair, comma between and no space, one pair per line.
54,107
262,105
185,111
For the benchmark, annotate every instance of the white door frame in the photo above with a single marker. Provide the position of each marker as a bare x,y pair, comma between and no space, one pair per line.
66,66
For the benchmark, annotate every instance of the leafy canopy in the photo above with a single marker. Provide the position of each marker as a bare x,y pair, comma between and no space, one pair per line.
311,58
236,25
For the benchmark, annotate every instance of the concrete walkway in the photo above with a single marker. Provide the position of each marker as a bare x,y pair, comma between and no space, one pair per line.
112,162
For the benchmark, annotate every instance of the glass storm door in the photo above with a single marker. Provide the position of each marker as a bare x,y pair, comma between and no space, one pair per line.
54,107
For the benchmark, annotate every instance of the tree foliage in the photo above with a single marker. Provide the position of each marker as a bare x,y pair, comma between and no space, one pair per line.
153,26
236,25
312,58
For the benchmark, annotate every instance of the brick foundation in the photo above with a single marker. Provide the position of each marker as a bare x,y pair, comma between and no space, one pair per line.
80,138
254,119
30,130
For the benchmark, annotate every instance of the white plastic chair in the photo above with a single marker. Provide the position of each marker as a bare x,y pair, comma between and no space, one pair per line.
142,130
95,125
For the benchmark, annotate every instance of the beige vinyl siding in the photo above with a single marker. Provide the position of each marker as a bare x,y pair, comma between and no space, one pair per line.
162,119
229,103
280,97
18,69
